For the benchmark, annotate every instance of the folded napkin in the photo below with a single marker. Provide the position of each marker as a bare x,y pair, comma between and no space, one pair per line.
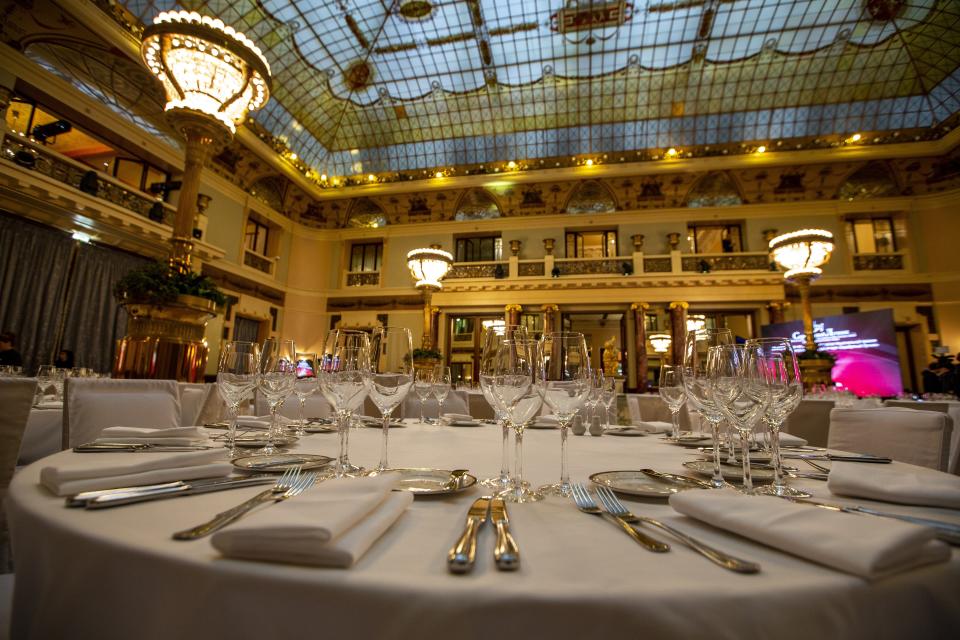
864,546
49,403
449,418
790,440
78,472
175,436
654,427
331,525
897,482
253,422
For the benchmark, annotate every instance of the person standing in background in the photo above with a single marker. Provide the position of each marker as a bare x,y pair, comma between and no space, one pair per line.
9,356
64,360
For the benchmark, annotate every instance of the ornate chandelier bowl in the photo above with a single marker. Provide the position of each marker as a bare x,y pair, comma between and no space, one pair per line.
802,252
428,267
660,342
212,75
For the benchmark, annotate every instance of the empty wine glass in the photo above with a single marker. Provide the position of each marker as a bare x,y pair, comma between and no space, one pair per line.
492,337
236,379
591,403
306,385
423,387
565,384
738,383
517,384
391,353
441,387
672,393
786,391
696,385
278,377
608,397
47,376
345,381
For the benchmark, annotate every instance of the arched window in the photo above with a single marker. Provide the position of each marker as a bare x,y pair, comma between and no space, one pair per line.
477,204
270,190
366,213
714,190
873,180
591,197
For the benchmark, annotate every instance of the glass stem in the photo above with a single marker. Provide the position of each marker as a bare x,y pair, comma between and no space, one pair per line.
421,410
717,480
564,476
504,454
731,446
274,424
302,422
675,418
775,455
346,440
343,424
518,461
232,436
745,458
383,445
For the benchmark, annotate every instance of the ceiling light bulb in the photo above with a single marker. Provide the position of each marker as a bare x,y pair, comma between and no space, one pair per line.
761,149
671,152
589,162
372,178
511,165
438,174
855,137
323,177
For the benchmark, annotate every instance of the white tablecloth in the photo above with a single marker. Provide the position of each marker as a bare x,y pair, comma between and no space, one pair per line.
43,435
117,573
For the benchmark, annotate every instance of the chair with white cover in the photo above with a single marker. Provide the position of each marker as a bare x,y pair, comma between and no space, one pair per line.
811,421
920,438
92,405
951,409
316,406
16,398
192,396
455,402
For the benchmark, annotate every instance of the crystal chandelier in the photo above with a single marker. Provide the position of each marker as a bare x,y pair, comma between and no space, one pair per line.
428,267
802,252
696,322
661,342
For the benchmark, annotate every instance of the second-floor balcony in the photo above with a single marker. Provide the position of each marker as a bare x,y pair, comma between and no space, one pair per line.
878,261
260,263
362,278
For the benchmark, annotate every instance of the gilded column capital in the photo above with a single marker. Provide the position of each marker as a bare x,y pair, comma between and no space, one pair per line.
549,307
639,305
679,305
513,307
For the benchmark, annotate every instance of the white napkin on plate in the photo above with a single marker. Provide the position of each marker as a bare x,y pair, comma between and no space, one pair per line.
78,472
864,546
790,440
253,422
49,402
174,436
896,482
456,418
331,525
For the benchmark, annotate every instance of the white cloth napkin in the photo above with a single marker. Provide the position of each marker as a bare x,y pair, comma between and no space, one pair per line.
49,403
174,436
790,440
450,418
864,546
897,482
78,472
253,422
331,525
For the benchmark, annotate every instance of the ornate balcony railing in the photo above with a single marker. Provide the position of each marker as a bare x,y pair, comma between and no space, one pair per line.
530,269
657,265
877,261
591,266
363,278
258,262
706,262
478,270
34,156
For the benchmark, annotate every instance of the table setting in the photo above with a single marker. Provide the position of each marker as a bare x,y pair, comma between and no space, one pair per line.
432,534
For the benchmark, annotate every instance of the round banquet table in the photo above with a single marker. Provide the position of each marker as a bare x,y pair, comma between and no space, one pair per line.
116,573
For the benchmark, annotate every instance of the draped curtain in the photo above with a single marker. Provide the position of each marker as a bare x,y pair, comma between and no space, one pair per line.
35,296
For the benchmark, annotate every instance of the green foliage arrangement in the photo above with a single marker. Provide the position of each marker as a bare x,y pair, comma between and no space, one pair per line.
156,283
426,354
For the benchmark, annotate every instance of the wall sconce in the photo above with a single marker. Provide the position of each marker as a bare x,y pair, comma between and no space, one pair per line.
660,342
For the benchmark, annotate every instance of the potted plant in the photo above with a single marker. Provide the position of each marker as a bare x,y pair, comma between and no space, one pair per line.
426,358
816,367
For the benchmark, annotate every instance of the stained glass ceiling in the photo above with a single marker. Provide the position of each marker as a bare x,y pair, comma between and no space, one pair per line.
398,85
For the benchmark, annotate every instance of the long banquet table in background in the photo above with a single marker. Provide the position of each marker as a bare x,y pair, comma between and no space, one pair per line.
116,573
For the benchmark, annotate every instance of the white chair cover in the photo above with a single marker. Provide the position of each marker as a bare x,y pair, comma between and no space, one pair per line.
16,398
633,406
479,407
952,409
316,406
94,404
811,421
192,396
907,435
456,402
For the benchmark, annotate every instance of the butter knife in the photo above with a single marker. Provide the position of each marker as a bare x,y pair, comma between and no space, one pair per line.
463,554
676,479
106,447
506,553
946,531
134,495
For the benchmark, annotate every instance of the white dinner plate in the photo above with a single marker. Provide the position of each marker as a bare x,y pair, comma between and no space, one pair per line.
431,481
635,483
626,431
729,471
463,423
278,463
261,440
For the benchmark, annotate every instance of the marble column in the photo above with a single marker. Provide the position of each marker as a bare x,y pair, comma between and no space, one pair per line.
776,308
639,322
550,312
511,314
435,327
678,330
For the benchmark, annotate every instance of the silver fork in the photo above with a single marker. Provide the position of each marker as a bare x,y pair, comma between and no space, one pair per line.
818,467
292,483
612,504
585,503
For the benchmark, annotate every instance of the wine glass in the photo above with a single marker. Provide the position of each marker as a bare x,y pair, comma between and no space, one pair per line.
49,376
786,388
441,387
278,377
738,383
594,396
345,381
672,393
565,384
608,397
306,385
236,379
391,354
696,385
491,339
517,385
423,387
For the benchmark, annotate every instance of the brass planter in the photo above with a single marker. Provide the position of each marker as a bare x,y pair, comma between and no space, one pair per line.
816,371
425,363
165,342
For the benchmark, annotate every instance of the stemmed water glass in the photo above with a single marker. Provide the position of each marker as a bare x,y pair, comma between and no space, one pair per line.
786,391
517,384
236,379
565,383
306,385
391,354
672,393
594,396
345,376
491,339
441,387
278,377
423,387
696,385
608,396
49,376
739,385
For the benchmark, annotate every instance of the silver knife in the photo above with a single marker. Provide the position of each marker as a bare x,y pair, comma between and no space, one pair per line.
506,553
946,531
463,554
676,479
105,447
836,457
193,487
